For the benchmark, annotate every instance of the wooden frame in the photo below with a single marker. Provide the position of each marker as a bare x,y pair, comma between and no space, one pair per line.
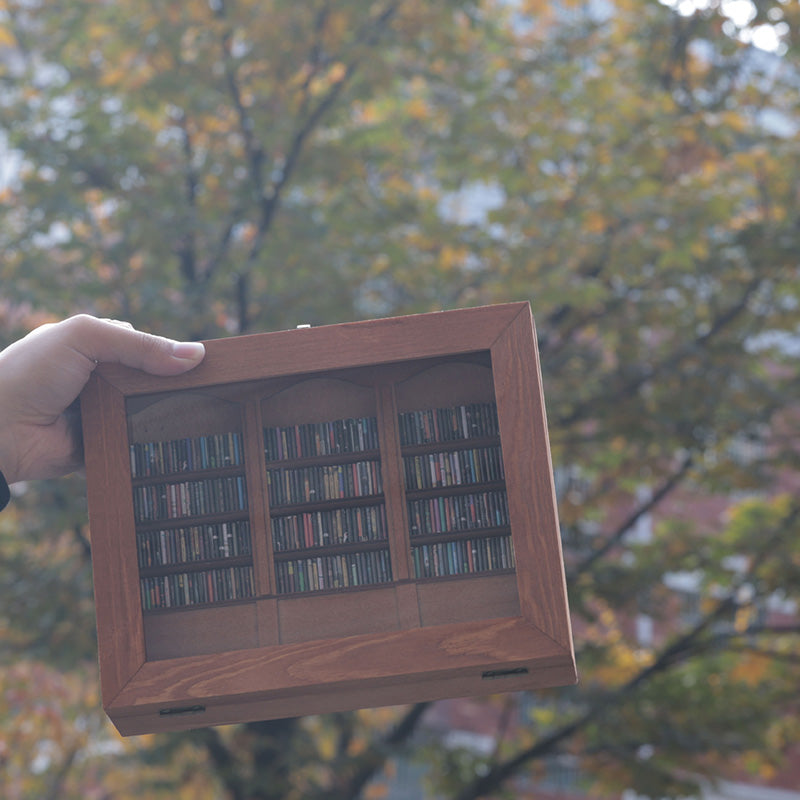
395,638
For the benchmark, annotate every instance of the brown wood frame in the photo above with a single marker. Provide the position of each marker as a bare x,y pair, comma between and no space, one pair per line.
531,650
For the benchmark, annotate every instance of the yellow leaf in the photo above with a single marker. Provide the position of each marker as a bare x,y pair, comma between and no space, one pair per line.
450,257
751,669
767,772
594,222
417,108
337,72
699,249
327,746
742,619
114,76
397,183
97,30
368,114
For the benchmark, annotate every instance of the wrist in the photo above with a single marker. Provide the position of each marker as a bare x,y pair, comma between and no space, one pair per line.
5,494
8,465
10,436
8,459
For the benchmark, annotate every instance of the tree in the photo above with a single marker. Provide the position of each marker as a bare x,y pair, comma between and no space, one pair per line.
212,168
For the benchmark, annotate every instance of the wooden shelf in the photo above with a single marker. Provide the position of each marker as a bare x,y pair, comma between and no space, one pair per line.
399,602
184,522
345,547
313,461
325,504
464,488
447,536
195,566
179,477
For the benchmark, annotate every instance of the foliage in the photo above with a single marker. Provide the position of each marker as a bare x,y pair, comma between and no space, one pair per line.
207,168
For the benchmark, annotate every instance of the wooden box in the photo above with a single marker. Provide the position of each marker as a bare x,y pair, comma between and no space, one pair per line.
325,519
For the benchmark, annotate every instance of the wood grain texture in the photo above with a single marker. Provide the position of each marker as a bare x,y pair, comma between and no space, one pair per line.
380,659
393,481
255,470
529,479
329,347
345,697
120,633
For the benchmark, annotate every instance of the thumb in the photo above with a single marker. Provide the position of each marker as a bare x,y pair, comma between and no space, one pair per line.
118,342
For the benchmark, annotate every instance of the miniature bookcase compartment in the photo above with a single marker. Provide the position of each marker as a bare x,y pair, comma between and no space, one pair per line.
323,519
190,502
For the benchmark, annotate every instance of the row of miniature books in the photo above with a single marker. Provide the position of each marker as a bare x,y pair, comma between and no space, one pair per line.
337,526
329,527
208,542
337,571
186,455
350,435
458,512
351,570
194,498
433,425
291,486
218,585
453,468
287,486
463,556
326,572
358,434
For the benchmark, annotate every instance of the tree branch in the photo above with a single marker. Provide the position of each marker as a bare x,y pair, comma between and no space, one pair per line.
223,760
187,250
366,766
269,199
57,784
732,640
616,536
588,407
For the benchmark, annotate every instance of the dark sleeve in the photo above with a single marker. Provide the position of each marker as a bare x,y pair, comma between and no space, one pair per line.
5,495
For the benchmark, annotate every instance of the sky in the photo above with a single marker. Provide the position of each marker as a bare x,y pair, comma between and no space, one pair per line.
740,14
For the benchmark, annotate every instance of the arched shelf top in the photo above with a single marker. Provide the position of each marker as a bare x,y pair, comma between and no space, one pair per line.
446,384
318,399
181,415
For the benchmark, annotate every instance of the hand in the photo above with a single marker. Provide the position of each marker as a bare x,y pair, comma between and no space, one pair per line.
42,375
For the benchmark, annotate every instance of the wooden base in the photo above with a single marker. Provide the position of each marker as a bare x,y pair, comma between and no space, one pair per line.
274,621
340,674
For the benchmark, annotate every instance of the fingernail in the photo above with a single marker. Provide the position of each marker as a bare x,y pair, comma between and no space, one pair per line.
190,351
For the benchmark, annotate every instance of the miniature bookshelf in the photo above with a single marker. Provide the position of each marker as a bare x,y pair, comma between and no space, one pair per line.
323,519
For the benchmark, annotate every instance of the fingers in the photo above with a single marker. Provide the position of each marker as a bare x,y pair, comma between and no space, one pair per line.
118,342
43,373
